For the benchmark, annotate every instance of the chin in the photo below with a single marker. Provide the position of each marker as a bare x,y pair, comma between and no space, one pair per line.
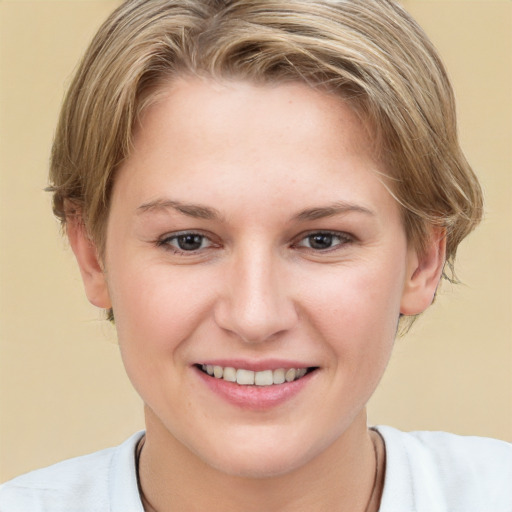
261,459
258,467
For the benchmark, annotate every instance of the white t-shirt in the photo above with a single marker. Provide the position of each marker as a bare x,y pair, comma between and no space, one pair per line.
425,472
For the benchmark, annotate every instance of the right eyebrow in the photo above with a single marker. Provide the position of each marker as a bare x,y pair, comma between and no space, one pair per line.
191,210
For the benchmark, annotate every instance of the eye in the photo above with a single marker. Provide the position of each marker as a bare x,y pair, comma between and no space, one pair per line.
185,242
324,240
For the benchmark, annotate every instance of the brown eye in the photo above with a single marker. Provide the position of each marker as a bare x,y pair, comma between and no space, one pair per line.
190,242
320,241
323,241
185,242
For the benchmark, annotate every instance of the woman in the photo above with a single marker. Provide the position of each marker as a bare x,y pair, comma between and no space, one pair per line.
260,194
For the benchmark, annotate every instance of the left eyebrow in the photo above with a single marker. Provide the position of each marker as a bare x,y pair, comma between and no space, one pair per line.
331,210
191,210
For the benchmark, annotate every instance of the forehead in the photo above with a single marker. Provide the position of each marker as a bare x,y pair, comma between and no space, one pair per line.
208,136
219,100
215,110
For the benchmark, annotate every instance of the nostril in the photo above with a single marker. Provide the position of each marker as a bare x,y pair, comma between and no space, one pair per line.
256,321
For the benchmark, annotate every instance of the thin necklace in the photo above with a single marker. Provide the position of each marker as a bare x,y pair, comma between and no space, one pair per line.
376,476
149,508
146,505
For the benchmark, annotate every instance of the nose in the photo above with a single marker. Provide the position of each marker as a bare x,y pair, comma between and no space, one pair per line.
256,304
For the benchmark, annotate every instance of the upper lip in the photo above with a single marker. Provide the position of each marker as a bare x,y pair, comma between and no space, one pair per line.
255,366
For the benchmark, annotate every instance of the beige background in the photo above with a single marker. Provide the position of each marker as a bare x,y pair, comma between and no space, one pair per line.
63,391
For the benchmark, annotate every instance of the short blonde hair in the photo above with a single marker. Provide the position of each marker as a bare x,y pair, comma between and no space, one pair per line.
370,52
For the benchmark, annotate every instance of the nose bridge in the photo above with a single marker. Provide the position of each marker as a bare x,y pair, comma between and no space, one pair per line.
257,304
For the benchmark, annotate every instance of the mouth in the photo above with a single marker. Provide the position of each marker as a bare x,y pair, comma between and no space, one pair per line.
262,378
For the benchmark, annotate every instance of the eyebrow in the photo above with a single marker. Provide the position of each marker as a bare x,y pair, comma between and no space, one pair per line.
191,210
337,208
205,212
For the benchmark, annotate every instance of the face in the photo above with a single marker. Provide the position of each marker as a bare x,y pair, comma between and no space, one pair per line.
250,235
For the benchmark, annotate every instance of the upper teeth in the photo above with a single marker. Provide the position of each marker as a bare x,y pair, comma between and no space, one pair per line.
248,377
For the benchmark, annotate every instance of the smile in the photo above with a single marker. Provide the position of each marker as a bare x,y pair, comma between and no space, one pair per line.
252,378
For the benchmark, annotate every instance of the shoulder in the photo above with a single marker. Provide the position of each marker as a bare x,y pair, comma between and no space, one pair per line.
83,483
446,472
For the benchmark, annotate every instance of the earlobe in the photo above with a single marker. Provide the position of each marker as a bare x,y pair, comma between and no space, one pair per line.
423,275
89,263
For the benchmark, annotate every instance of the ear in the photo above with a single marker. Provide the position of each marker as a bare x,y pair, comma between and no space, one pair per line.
423,274
89,262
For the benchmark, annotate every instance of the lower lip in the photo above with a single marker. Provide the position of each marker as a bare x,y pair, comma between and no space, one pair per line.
256,398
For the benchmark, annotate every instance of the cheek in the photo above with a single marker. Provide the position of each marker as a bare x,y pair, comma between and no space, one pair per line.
157,313
357,299
356,312
155,307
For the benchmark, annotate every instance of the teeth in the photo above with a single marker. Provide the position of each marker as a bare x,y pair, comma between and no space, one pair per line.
264,378
290,375
229,374
244,377
279,376
249,378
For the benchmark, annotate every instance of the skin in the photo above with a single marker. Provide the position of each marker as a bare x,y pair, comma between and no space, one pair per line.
255,171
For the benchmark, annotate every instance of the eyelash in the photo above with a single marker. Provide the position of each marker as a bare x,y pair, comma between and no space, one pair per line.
167,240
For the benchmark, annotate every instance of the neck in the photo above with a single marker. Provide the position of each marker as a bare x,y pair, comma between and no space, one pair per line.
340,479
